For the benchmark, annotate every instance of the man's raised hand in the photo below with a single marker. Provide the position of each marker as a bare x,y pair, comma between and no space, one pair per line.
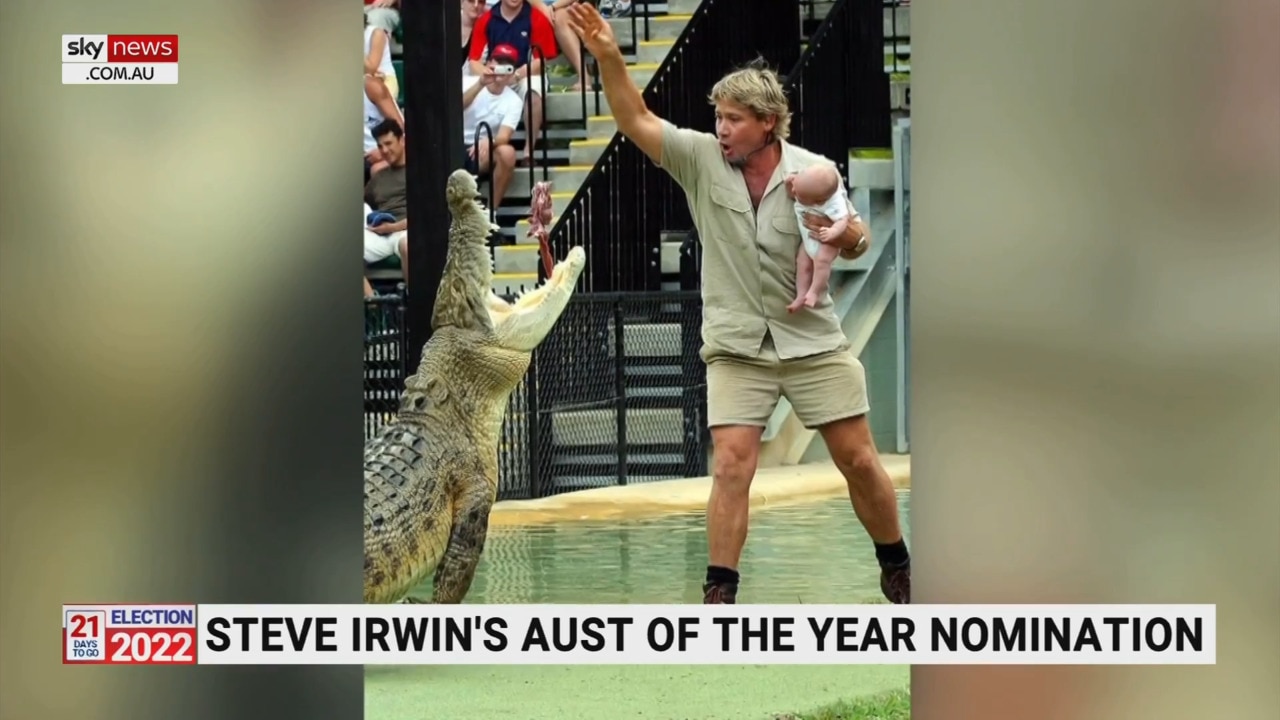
594,30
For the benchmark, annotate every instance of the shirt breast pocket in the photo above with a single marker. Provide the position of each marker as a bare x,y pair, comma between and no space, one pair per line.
788,226
730,216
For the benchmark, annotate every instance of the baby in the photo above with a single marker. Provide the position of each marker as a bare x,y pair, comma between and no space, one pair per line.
818,190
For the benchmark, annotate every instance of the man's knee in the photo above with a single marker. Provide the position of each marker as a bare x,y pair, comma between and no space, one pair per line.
851,447
505,156
860,465
532,95
737,450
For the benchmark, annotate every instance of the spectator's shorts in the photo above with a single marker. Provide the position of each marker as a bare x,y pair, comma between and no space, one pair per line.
534,81
471,164
380,247
393,85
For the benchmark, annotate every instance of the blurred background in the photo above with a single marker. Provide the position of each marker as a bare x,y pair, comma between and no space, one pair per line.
1096,337
180,421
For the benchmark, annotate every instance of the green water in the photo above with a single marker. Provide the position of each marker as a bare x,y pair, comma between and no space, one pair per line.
812,553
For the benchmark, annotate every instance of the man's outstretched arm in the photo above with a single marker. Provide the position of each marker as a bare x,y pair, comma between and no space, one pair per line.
634,119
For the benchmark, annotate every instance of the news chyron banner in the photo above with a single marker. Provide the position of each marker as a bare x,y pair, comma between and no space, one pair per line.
413,634
119,59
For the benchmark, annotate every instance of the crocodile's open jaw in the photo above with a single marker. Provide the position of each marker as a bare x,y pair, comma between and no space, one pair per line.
522,324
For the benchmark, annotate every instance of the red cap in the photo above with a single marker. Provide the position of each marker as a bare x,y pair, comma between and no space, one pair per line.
506,52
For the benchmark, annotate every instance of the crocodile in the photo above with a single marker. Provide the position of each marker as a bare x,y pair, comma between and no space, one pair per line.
431,474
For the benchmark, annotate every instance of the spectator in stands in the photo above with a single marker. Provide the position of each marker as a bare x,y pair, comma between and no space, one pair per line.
755,351
568,42
471,10
516,23
615,8
383,14
385,194
377,57
489,99
379,106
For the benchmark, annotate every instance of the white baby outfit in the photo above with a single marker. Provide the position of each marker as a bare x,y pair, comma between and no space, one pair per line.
836,207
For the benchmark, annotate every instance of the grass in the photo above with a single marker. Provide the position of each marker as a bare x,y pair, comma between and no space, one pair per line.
893,705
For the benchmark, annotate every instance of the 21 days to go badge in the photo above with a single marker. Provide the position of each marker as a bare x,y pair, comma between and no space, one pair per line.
94,634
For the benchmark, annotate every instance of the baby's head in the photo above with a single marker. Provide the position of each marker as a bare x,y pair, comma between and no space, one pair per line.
816,184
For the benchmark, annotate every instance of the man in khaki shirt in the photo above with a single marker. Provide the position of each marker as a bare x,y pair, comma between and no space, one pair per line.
756,351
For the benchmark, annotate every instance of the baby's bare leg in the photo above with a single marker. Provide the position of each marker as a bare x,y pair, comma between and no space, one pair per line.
804,276
821,274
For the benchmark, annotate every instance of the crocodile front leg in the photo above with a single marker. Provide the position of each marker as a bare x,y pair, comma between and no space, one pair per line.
466,543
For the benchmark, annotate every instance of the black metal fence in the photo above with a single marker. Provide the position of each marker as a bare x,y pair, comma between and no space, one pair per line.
385,351
625,202
847,52
616,394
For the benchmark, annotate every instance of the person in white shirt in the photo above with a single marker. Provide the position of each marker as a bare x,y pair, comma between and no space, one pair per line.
377,57
488,99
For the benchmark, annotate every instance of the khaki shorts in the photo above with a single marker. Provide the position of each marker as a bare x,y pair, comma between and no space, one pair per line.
821,388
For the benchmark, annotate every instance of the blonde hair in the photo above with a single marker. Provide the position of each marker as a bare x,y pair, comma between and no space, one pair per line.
759,89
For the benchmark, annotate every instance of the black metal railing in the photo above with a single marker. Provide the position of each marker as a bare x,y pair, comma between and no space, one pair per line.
536,52
483,127
897,31
621,393
385,358
846,52
626,201
812,13
615,394
639,20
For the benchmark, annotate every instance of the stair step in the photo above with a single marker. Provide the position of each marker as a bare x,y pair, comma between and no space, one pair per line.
653,51
670,256
506,284
661,27
570,483
900,91
600,126
518,189
897,22
567,106
587,152
592,427
650,339
522,259
566,462
871,170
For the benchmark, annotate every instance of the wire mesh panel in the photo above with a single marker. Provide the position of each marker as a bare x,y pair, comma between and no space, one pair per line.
384,349
515,482
620,392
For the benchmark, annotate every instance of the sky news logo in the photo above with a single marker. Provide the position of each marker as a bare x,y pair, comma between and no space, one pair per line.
119,59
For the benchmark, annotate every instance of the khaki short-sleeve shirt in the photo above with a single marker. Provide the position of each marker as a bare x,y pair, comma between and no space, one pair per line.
748,257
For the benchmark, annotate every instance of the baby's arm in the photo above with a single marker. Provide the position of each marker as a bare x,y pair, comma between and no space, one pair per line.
836,208
836,230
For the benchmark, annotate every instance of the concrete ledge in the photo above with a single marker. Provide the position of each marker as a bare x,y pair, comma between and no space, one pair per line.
772,487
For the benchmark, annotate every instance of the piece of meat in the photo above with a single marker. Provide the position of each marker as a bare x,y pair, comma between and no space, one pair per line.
540,217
